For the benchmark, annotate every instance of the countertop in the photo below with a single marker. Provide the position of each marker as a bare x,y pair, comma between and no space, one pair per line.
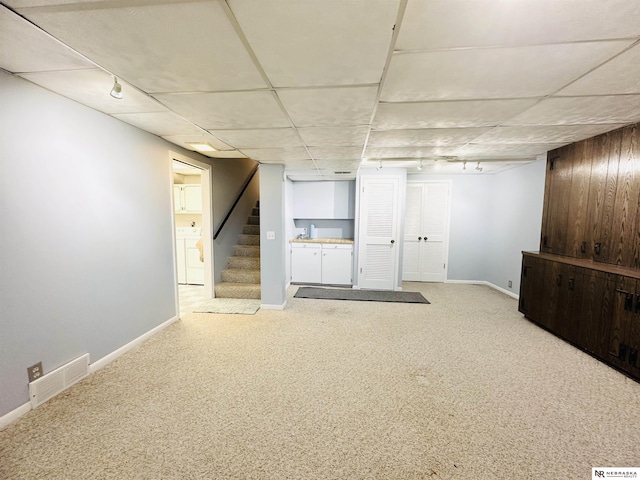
322,240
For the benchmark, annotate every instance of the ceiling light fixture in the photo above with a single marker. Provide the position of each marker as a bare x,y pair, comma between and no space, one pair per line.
116,91
201,146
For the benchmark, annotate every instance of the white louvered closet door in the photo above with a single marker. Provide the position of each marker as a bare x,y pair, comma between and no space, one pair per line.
426,232
378,255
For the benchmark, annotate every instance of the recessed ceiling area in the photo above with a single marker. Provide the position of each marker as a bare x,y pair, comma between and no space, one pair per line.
323,86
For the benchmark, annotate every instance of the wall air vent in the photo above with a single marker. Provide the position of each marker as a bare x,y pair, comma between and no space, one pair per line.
51,384
342,173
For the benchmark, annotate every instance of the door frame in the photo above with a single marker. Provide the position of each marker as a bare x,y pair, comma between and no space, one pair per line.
206,181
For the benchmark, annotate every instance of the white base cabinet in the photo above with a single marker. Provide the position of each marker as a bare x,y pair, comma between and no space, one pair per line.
322,263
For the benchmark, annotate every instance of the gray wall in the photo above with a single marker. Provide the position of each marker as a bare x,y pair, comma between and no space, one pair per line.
273,262
86,238
229,176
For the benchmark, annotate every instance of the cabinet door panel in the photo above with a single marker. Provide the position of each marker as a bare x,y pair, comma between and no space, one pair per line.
621,242
306,264
606,213
620,321
565,278
597,191
531,287
592,311
559,172
576,245
548,310
336,266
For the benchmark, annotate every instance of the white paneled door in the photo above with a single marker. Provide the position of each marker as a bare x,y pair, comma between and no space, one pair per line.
426,231
378,255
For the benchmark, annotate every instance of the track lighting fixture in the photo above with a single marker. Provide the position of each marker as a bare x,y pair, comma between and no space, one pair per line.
464,165
479,168
379,167
116,91
420,165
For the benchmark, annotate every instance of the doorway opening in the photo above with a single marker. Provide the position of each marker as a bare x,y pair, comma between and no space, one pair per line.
191,189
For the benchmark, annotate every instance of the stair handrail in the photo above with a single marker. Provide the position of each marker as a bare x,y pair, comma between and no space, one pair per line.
244,187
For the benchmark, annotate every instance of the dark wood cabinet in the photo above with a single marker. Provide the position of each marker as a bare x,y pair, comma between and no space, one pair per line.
595,310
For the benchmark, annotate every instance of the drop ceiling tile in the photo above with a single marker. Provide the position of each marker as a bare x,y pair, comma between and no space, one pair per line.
334,136
543,134
92,87
336,153
348,165
226,154
260,138
319,107
477,113
424,137
162,47
581,111
331,42
441,24
496,151
228,110
159,123
410,152
26,48
277,154
514,72
620,75
203,138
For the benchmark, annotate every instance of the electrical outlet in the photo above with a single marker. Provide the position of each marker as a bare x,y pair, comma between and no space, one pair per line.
34,371
510,284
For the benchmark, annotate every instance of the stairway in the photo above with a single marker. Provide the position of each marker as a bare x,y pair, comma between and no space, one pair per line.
241,278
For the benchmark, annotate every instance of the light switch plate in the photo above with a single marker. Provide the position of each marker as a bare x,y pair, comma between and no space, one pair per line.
271,235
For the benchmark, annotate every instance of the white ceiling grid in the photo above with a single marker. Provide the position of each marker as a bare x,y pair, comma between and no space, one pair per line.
317,85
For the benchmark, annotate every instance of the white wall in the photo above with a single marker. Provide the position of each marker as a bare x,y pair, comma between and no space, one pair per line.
86,237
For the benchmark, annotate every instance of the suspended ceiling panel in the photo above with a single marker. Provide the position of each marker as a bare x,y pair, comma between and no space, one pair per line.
228,110
424,137
334,136
618,76
492,73
506,150
443,24
260,138
25,48
410,152
543,134
277,154
91,87
201,138
581,110
329,42
329,106
159,123
477,113
162,47
336,153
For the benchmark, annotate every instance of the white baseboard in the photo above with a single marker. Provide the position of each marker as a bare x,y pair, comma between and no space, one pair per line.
14,415
267,306
107,359
488,284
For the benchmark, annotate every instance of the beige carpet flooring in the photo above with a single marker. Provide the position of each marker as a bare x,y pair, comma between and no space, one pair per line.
464,388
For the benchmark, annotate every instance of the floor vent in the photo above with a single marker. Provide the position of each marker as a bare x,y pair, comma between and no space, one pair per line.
60,379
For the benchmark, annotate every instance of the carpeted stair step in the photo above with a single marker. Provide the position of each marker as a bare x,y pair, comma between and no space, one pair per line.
256,212
248,263
233,275
251,230
238,290
246,251
254,220
248,239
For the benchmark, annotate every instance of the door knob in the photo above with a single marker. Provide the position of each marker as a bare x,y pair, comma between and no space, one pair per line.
419,238
426,238
393,241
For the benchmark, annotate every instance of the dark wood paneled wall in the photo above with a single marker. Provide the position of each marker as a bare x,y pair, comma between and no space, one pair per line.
584,285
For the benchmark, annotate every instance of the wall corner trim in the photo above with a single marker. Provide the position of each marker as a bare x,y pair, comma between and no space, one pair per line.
273,307
488,284
14,415
107,359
